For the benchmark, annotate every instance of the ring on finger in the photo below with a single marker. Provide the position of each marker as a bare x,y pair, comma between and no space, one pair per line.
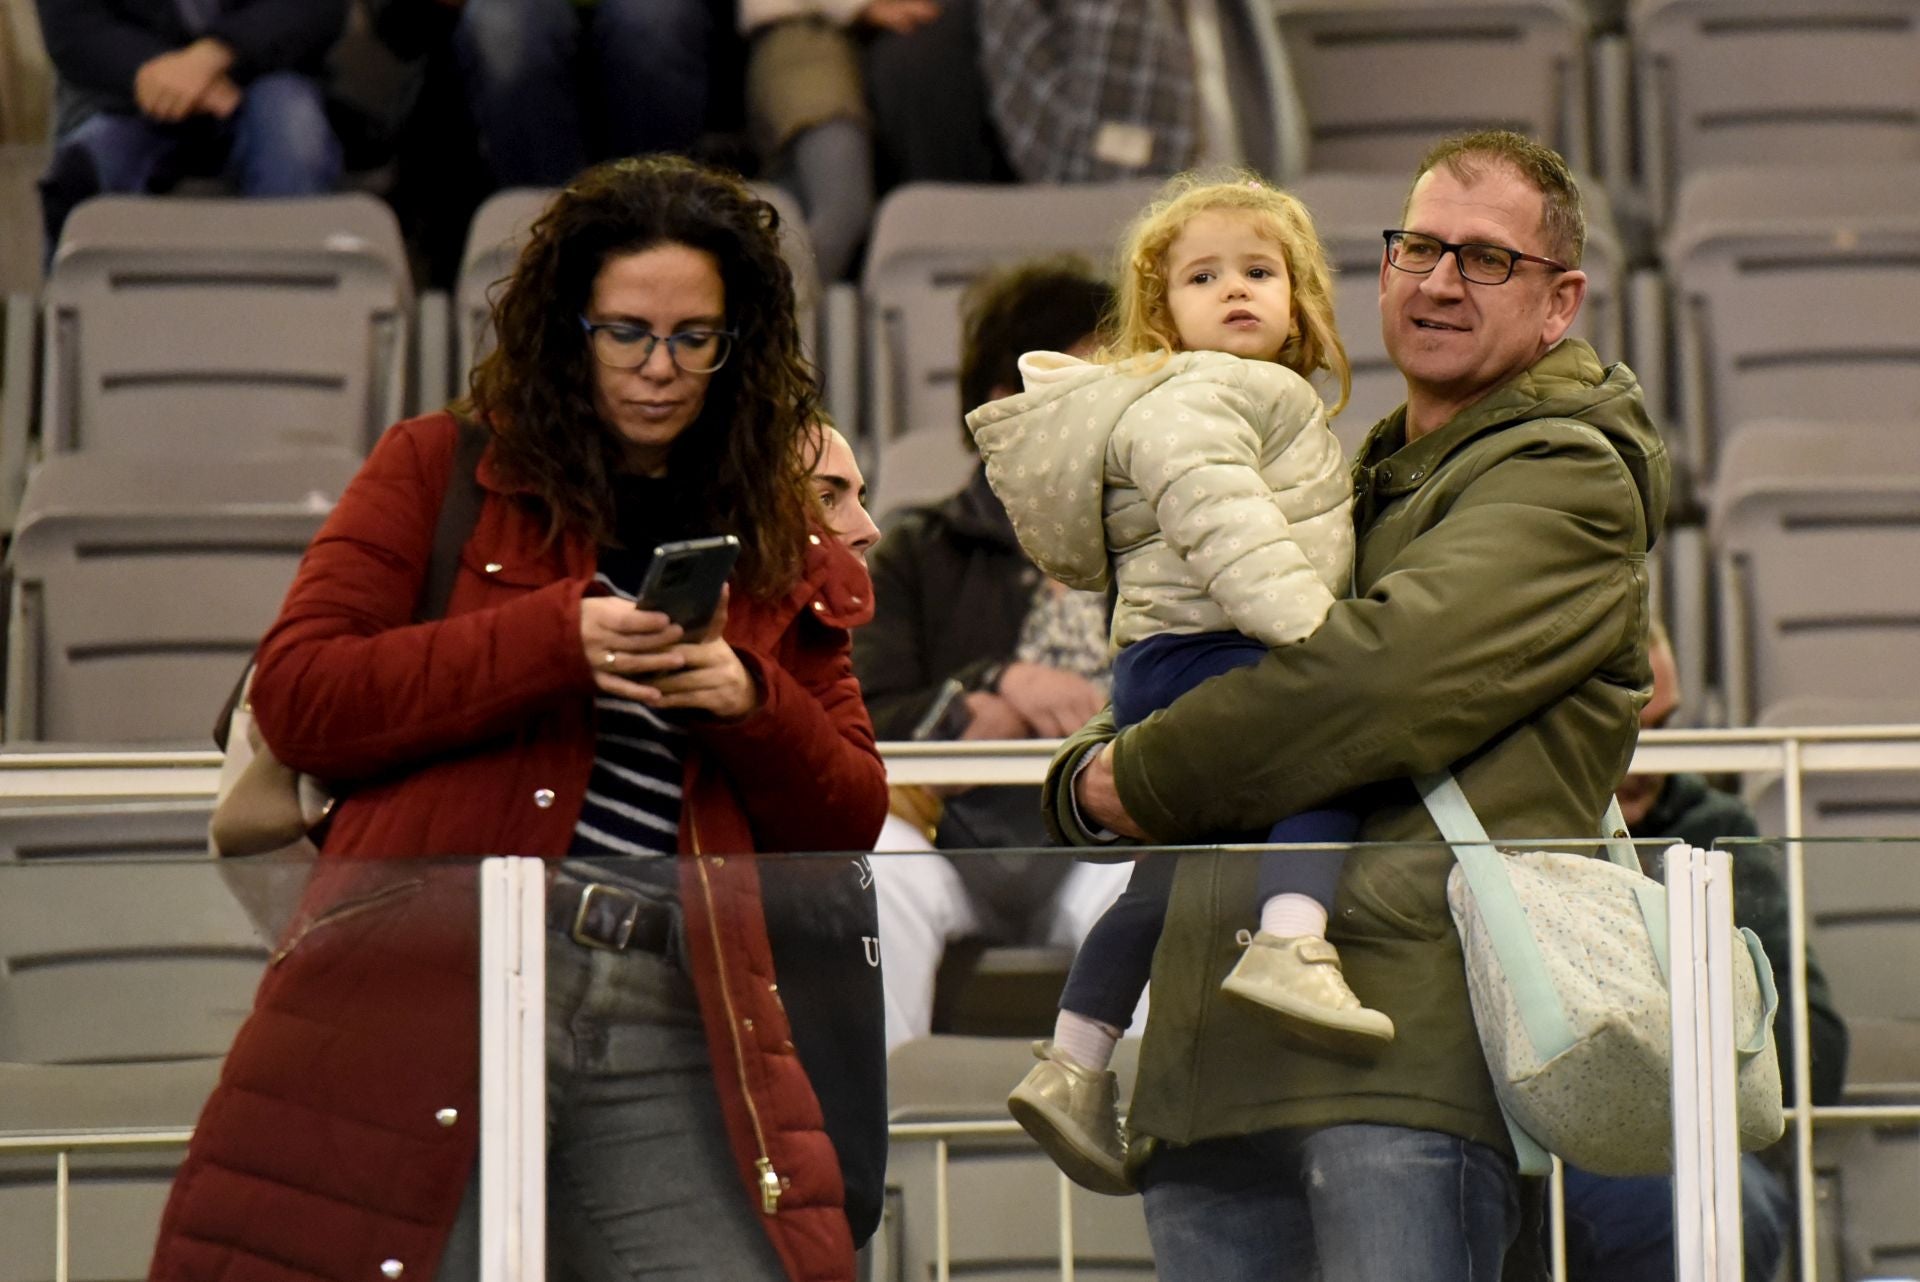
608,659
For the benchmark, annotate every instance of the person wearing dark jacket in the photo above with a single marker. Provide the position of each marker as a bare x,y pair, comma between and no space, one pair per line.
151,91
957,601
1621,1230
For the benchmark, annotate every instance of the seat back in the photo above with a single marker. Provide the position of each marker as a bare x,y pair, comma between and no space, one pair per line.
1004,1196
122,830
499,232
1453,65
930,242
1792,297
1746,82
142,585
225,325
1816,534
1351,210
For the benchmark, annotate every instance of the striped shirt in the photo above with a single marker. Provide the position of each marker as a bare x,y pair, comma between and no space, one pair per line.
632,806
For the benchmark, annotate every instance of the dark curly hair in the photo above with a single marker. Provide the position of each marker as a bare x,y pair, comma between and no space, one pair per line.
535,390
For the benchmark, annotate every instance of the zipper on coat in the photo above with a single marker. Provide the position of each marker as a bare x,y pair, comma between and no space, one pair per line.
770,1183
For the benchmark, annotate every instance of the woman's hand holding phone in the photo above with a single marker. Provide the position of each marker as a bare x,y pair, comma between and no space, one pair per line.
710,677
625,646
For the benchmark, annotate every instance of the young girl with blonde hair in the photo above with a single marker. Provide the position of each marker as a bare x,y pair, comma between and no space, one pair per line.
1190,465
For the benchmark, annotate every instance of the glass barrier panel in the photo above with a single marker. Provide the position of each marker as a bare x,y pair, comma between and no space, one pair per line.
1849,1170
299,1036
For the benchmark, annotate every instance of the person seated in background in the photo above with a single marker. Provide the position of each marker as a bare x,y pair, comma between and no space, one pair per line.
555,83
841,488
807,109
1621,1229
964,620
153,91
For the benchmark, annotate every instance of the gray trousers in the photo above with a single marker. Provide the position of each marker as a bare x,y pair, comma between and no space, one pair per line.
640,1179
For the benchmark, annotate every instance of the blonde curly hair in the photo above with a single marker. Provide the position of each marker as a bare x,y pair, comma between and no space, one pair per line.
1142,324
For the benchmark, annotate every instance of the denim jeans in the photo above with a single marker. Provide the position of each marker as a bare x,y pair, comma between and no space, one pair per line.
276,143
1349,1203
643,65
641,1181
1619,1229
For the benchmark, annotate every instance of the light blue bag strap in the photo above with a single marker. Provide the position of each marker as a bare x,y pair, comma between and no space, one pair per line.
1507,931
1769,994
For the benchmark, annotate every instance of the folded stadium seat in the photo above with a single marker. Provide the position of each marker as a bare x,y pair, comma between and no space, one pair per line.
170,829
1816,543
141,584
1453,65
121,986
1792,295
223,325
930,242
1004,1195
1768,82
1352,209
499,229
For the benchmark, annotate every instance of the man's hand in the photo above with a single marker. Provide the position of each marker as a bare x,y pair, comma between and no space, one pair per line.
1055,703
991,717
1099,800
901,17
172,87
221,99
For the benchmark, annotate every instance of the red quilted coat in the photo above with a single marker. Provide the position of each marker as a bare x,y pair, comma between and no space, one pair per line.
345,1126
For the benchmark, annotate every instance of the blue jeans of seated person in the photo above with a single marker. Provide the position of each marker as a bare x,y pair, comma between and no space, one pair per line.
1111,969
642,64
277,143
1621,1229
1348,1203
641,1181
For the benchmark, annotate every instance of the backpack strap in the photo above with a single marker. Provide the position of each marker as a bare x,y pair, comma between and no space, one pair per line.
459,512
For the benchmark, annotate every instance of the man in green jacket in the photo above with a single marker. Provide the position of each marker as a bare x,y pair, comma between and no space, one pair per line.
1498,628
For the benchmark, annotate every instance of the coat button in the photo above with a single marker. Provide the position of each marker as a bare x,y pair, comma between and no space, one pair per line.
494,567
391,1268
543,798
820,605
854,600
814,539
447,1116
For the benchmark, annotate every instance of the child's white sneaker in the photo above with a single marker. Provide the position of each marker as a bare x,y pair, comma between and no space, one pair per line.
1073,1112
1299,976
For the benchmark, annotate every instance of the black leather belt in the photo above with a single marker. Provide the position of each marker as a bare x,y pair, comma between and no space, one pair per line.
599,915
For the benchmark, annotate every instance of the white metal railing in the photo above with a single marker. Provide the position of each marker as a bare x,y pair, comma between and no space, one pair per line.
106,775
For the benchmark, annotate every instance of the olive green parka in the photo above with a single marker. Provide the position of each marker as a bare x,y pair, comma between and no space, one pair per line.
1498,627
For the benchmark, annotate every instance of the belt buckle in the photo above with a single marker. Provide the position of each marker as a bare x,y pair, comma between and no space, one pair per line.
628,921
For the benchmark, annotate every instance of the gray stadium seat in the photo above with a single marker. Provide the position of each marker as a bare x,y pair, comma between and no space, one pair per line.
121,830
1004,1194
499,229
142,584
1452,65
222,325
1772,82
930,241
1793,298
1352,209
121,986
1816,535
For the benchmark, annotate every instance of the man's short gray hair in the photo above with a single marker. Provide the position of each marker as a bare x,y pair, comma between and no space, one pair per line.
1468,156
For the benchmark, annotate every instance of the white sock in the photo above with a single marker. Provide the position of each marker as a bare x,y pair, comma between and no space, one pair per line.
1087,1042
1291,915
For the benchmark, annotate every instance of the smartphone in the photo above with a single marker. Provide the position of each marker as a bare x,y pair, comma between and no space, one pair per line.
947,717
684,579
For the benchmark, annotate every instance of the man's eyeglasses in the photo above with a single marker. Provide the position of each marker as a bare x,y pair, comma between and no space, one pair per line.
623,346
1481,264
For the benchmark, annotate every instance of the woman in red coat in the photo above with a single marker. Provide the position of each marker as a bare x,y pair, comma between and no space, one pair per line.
647,387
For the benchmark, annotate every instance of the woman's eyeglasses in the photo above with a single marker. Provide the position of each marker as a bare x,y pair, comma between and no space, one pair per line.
623,346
